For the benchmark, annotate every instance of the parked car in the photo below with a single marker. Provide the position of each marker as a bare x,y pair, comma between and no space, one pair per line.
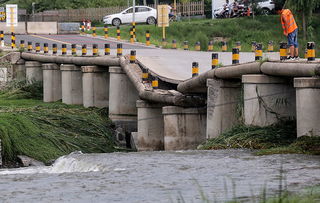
143,14
267,6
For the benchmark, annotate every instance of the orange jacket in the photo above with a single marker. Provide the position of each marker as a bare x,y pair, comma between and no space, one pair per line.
288,23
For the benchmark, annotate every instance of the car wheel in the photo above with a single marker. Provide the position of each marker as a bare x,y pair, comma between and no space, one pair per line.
265,11
151,21
116,22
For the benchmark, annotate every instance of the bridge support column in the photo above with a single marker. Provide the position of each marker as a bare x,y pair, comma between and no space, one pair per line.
95,83
71,84
33,71
308,102
223,106
150,127
267,99
184,128
123,97
51,82
19,71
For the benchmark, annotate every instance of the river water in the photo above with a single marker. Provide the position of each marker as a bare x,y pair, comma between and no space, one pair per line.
181,176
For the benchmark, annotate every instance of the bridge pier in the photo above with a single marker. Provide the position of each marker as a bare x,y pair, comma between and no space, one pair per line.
267,99
223,106
95,84
33,71
51,82
123,97
71,84
150,135
184,128
19,70
308,103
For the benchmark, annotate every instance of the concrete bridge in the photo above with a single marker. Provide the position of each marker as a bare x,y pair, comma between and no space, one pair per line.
180,112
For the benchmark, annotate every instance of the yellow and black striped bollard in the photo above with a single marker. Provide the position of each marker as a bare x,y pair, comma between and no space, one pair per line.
258,52
13,40
45,48
131,36
238,45
270,46
147,38
174,44
311,51
29,46
119,49
54,49
134,29
224,46
283,50
132,56
185,45
235,56
106,30
64,49
38,47
253,46
1,38
155,82
74,49
214,60
118,33
210,46
197,46
22,44
94,34
145,75
195,69
84,50
95,50
106,49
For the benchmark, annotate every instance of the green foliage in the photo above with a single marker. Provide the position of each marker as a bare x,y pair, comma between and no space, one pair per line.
22,90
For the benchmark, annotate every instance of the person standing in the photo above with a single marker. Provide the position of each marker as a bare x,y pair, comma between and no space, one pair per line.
290,30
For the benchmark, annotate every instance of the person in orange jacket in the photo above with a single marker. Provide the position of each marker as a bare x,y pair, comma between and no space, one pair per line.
290,30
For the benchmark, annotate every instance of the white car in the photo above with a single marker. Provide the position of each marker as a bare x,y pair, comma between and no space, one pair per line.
267,6
143,14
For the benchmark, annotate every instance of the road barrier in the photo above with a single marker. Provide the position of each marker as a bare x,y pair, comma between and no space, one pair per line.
118,33
311,51
195,69
147,38
198,46
13,40
54,49
84,49
106,49
22,44
131,36
214,60
133,56
238,45
29,46
210,46
94,34
105,29
174,44
155,82
145,75
95,50
119,49
253,46
235,55
45,48
283,50
270,46
64,49
258,52
38,47
74,49
185,45
1,38
224,46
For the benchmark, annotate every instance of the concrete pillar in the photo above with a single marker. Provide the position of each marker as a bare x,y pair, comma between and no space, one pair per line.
150,135
71,84
19,72
51,82
223,106
123,97
267,99
95,83
308,106
184,128
33,71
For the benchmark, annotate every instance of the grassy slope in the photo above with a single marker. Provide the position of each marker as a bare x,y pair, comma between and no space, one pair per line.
261,29
45,131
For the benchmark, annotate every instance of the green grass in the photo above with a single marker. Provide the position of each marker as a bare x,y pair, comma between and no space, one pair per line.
274,139
261,29
45,131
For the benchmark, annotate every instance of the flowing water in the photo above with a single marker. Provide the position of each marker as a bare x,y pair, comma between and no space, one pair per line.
159,177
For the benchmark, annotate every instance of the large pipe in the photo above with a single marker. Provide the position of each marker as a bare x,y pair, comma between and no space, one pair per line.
290,69
80,61
197,84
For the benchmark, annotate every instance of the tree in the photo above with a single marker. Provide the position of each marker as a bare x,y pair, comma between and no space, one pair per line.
305,8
